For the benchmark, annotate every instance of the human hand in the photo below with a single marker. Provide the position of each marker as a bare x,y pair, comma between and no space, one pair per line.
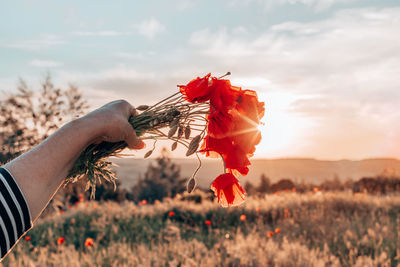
112,124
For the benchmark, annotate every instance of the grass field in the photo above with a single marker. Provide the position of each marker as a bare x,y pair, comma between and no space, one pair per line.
288,229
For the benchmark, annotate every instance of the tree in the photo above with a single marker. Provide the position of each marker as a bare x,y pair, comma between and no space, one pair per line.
265,184
161,180
28,117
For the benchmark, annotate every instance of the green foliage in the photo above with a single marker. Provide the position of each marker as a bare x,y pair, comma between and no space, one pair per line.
160,181
27,117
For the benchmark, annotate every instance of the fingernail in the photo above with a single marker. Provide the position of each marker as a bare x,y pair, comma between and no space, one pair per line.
141,145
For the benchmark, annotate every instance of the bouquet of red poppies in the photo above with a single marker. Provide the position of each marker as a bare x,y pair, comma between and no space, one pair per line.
208,116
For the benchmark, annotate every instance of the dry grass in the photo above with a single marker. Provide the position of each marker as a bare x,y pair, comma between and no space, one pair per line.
321,229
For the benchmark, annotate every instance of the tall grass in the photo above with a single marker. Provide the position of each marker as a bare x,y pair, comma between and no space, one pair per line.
289,229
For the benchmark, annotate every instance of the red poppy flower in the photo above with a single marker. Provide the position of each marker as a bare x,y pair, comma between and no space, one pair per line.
171,214
27,238
224,96
89,242
249,105
60,240
237,160
197,90
221,146
278,230
228,190
270,234
220,124
207,222
243,217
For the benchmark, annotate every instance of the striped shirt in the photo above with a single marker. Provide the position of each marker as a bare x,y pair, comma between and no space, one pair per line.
15,218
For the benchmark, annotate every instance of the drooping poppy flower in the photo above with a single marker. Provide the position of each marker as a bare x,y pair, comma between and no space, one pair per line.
89,242
197,90
60,240
228,190
237,160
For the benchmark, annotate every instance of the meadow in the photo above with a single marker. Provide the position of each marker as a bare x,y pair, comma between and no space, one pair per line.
282,229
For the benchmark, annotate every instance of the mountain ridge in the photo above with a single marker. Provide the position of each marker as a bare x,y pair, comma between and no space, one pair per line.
307,170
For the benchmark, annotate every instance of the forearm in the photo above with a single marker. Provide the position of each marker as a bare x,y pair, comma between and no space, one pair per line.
40,172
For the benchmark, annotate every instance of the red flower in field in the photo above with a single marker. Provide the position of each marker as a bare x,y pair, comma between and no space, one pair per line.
278,230
27,238
171,214
294,189
60,240
89,242
270,234
243,217
207,222
228,190
197,90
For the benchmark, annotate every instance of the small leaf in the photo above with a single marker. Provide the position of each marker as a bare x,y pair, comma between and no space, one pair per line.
187,132
172,131
142,107
194,145
148,154
174,145
191,185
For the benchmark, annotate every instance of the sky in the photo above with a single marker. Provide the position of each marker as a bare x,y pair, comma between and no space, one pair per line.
328,70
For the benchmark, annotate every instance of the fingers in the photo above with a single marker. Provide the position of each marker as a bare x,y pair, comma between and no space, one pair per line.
131,139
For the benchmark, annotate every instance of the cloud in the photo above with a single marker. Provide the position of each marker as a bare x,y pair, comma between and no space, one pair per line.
343,69
317,5
137,86
44,63
45,41
101,33
149,28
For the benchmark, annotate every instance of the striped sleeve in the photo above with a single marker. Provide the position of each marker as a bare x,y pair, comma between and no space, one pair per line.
15,218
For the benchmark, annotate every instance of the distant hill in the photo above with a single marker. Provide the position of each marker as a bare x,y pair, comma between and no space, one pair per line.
297,169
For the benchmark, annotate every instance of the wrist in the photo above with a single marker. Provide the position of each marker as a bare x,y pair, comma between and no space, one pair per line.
90,127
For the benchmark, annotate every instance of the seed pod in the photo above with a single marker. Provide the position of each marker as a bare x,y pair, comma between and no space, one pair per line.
187,132
148,154
191,185
194,145
180,131
172,131
142,107
175,122
174,145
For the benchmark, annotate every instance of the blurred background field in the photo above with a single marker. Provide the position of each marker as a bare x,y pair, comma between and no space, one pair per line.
283,229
